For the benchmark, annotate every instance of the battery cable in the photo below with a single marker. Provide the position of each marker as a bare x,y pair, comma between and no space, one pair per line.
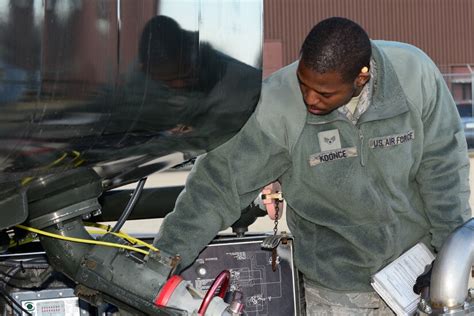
88,241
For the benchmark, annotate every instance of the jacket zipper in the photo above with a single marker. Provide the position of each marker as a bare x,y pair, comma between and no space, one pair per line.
361,138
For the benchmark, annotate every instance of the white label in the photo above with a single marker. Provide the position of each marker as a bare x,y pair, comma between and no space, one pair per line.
392,140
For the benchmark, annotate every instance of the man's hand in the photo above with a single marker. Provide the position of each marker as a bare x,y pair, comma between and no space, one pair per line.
424,280
269,202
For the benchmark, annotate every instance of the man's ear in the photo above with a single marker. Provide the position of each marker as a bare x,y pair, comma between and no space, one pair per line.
362,77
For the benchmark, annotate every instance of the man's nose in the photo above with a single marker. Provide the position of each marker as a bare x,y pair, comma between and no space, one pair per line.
311,98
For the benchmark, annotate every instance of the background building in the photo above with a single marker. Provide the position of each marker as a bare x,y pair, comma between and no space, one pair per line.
443,29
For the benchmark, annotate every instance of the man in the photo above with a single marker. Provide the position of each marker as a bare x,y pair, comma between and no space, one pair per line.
365,139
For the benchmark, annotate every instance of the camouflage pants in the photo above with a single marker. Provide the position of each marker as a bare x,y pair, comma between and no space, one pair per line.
323,302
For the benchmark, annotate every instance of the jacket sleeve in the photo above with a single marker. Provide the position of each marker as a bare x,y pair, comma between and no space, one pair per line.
444,170
221,184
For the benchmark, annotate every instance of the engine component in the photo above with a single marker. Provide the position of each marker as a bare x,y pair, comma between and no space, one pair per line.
97,95
449,294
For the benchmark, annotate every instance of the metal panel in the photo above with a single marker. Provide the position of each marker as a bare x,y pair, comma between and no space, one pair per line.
265,292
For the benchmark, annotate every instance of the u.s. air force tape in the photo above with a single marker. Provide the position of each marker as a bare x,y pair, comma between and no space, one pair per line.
391,140
331,155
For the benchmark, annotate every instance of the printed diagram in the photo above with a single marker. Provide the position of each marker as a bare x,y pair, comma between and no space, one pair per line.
265,292
260,284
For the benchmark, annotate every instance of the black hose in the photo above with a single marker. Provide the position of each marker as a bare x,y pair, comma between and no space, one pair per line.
131,204
8,275
21,265
14,269
29,281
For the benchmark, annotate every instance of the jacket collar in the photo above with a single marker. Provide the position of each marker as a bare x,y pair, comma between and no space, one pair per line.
388,100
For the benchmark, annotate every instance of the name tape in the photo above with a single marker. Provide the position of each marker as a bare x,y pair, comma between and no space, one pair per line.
331,155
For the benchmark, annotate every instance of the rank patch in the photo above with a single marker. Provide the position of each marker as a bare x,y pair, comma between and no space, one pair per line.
329,140
392,140
331,155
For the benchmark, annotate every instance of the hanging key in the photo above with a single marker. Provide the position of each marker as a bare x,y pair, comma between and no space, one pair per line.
272,242
274,259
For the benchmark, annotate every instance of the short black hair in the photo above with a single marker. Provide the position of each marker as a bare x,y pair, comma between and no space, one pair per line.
167,48
160,40
337,44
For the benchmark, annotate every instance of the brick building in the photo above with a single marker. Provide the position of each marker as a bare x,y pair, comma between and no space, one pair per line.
443,29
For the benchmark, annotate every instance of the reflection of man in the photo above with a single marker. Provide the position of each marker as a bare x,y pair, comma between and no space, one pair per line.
366,142
182,94
186,86
169,54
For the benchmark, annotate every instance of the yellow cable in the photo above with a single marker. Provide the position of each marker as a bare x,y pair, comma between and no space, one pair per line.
26,180
76,154
130,239
98,225
107,228
57,161
137,241
80,240
122,234
77,161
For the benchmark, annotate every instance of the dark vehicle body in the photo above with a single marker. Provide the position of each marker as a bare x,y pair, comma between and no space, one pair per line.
95,95
465,111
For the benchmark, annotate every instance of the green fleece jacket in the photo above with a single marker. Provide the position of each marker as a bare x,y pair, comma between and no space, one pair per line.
358,195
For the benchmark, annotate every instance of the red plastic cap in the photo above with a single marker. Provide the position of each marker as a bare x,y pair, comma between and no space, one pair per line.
167,290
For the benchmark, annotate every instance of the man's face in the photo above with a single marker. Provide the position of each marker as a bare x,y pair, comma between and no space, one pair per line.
323,93
171,75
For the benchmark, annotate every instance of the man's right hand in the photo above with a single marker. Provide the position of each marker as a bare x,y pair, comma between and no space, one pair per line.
269,203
